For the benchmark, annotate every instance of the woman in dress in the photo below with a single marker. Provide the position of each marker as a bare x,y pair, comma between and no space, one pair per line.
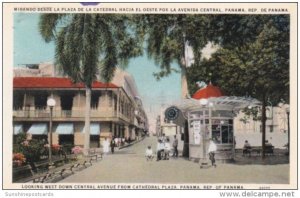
105,146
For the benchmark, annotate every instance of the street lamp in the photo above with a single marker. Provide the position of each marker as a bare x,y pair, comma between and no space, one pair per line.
51,104
203,102
206,104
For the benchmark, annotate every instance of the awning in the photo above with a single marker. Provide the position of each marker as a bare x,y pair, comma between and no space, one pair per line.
65,129
18,128
232,102
94,129
38,129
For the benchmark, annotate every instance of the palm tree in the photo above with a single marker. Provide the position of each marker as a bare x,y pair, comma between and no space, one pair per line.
87,45
168,37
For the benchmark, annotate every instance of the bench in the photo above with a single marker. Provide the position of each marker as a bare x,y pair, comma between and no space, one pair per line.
22,172
94,154
84,162
26,174
59,171
43,172
80,160
42,166
269,150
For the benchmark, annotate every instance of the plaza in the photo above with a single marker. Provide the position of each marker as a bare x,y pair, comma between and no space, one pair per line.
129,165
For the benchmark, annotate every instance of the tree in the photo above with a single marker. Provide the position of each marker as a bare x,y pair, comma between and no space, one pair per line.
167,37
258,66
87,45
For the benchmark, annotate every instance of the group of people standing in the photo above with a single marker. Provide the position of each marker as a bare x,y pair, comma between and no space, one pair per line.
114,142
163,149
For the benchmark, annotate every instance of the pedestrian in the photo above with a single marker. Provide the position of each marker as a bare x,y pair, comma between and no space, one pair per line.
175,145
163,138
246,148
105,146
267,143
123,141
167,149
159,149
112,145
149,153
212,148
117,141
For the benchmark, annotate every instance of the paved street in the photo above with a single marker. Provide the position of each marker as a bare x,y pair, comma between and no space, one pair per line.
129,166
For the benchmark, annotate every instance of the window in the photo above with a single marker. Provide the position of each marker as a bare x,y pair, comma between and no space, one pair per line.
94,141
216,133
222,113
18,101
222,131
110,126
116,102
271,128
95,100
40,101
230,134
66,102
110,98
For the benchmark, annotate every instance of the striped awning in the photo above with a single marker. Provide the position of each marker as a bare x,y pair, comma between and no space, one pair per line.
18,128
94,129
65,129
38,129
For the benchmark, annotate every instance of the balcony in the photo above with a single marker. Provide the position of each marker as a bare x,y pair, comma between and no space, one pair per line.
67,115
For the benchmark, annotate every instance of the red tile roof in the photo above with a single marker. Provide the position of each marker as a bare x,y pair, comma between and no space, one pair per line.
208,92
54,82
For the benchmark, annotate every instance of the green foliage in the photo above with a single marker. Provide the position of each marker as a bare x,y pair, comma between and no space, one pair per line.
31,149
166,36
257,65
254,112
90,44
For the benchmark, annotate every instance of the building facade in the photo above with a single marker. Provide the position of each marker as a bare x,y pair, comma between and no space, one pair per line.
114,112
247,128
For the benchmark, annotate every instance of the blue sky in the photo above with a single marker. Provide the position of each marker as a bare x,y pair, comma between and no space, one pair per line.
29,48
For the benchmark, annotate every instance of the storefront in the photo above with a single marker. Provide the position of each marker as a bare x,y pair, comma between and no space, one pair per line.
214,123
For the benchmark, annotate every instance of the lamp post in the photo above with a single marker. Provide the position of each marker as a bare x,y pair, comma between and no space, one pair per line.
51,104
203,103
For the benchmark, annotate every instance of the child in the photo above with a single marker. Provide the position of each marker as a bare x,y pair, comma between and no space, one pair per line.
149,153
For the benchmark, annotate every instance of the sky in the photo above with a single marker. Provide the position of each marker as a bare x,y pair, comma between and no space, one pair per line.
30,48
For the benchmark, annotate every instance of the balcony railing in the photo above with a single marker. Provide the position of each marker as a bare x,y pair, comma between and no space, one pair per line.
65,114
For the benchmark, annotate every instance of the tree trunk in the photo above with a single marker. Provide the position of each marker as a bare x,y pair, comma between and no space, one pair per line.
184,86
185,152
183,66
263,126
88,92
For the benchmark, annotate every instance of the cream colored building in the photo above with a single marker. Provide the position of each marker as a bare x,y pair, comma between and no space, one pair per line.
114,111
276,128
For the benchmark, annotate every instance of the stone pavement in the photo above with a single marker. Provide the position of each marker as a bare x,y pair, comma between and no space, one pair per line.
130,166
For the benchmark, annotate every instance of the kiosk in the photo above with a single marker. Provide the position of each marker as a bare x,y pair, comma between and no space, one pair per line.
210,115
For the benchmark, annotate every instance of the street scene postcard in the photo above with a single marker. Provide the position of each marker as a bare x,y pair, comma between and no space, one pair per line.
186,96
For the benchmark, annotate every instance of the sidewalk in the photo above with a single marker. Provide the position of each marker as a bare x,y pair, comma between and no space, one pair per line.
131,143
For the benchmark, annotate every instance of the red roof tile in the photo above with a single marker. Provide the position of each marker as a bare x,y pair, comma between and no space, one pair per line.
54,82
208,92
